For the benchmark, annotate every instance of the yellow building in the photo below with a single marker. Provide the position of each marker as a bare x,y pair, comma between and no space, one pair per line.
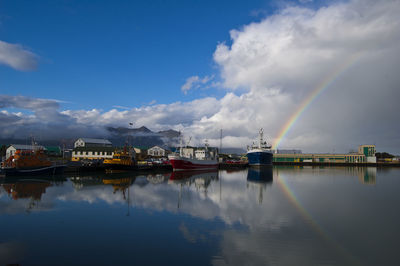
367,150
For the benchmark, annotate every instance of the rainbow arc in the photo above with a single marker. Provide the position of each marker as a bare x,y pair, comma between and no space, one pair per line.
319,89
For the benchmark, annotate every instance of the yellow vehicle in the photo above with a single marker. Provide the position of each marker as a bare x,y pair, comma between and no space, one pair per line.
121,160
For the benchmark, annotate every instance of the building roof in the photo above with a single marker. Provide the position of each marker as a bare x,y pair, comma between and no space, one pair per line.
26,147
141,147
96,141
161,147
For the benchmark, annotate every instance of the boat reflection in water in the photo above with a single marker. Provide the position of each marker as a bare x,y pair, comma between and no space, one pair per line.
119,184
200,179
122,185
29,188
81,182
259,178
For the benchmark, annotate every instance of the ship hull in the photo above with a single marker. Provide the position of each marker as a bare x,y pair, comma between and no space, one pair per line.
259,158
183,164
119,167
49,170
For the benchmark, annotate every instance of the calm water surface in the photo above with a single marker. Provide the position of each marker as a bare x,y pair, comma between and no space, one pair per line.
278,216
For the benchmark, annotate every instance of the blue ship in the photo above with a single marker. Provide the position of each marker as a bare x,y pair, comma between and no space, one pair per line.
260,154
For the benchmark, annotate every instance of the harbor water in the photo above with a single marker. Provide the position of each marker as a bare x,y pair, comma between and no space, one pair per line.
272,216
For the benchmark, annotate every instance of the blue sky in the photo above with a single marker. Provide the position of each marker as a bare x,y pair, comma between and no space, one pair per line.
72,68
100,54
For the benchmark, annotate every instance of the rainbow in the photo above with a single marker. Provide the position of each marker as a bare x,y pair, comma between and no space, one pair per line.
295,201
288,192
321,87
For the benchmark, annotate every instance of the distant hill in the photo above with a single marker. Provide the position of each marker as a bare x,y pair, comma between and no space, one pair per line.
141,136
170,133
129,131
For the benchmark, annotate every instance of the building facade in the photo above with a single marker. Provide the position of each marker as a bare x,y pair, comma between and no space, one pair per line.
92,153
369,152
157,151
366,154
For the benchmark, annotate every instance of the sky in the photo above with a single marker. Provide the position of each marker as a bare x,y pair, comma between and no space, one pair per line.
320,76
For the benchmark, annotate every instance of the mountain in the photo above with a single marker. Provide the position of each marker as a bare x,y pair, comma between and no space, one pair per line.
63,143
141,136
170,133
130,131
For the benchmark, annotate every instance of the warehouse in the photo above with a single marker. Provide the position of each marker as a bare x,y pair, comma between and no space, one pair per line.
365,154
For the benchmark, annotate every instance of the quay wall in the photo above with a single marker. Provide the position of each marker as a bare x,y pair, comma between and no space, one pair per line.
377,164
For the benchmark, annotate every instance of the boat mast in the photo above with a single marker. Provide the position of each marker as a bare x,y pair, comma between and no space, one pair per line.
181,144
261,133
220,142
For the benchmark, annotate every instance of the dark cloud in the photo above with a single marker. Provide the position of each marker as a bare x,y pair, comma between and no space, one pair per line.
29,103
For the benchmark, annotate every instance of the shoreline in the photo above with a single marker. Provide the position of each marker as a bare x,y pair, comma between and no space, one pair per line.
224,166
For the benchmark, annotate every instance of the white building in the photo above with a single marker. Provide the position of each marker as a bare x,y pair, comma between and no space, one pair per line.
157,151
14,147
88,142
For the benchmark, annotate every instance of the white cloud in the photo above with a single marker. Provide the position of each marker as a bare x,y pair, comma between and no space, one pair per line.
296,47
15,56
122,107
195,82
